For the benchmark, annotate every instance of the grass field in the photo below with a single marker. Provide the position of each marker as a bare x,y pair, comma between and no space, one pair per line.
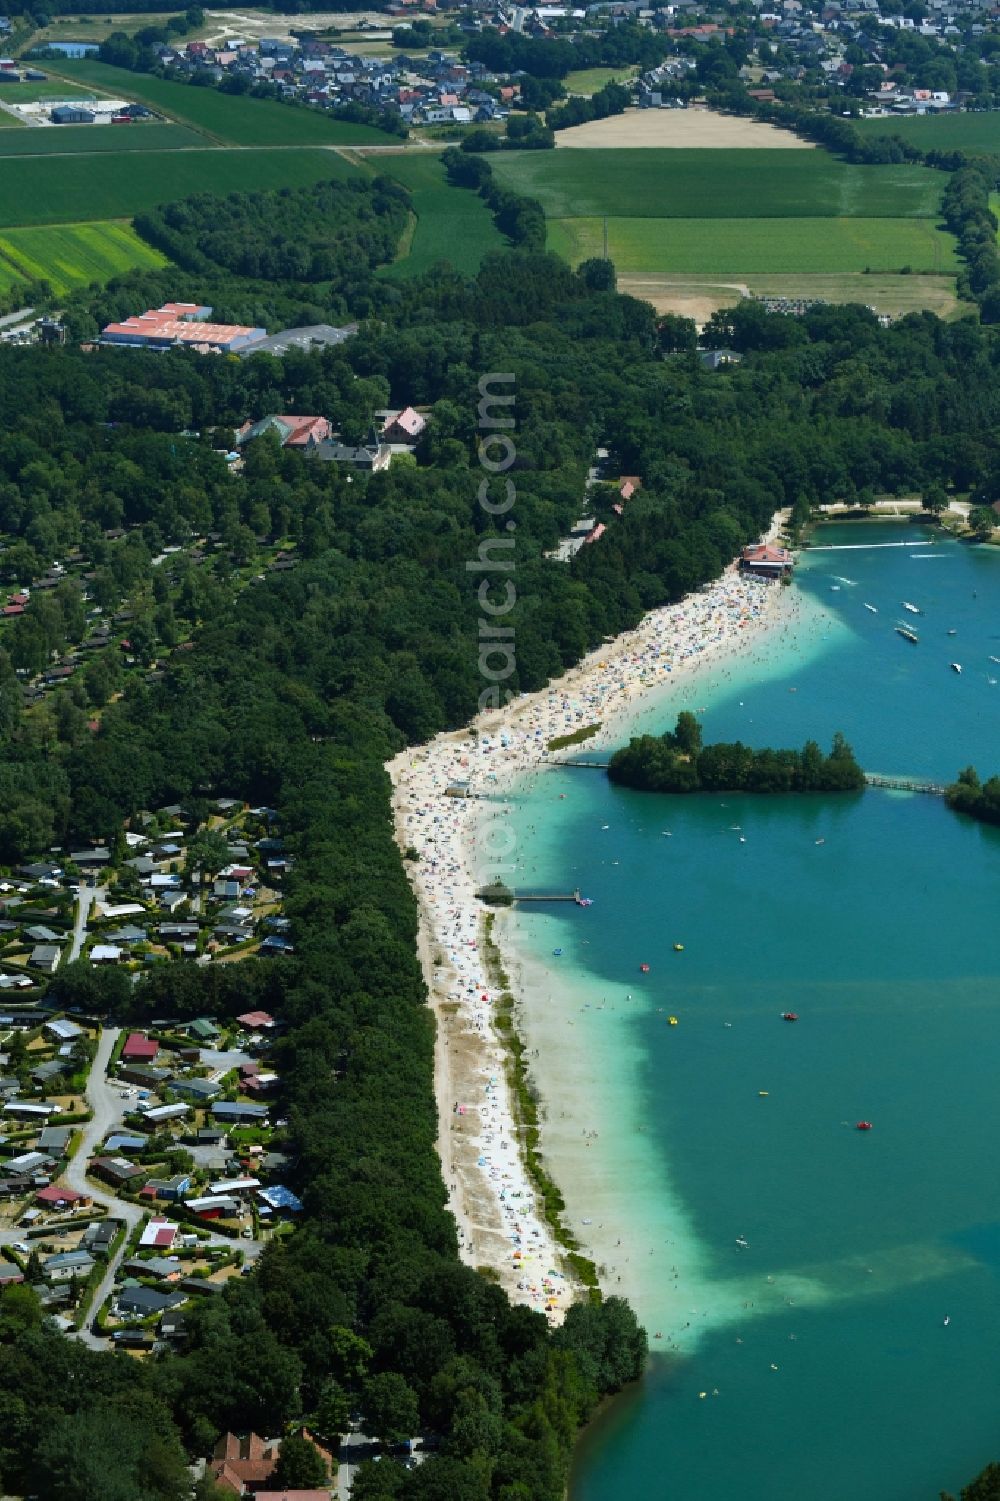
743,246
72,140
54,88
55,190
589,80
97,27
7,120
717,184
230,120
977,132
72,255
453,224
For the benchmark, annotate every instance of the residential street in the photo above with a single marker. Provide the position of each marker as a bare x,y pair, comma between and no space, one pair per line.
84,901
108,1106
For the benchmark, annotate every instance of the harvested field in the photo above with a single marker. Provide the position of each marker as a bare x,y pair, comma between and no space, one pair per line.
673,128
698,297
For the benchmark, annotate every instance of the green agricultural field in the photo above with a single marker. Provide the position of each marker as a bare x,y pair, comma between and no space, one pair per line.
452,224
977,132
72,255
739,247
231,120
686,184
589,80
74,140
53,88
54,189
97,28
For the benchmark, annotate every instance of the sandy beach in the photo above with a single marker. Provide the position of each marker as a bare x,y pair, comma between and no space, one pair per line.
457,845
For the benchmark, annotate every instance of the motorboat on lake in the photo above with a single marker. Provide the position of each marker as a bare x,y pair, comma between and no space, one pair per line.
913,609
863,1126
907,632
955,666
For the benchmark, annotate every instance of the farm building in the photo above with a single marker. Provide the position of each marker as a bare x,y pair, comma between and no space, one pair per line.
181,323
71,114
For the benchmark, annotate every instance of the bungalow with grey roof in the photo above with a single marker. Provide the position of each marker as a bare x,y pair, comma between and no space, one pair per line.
67,1264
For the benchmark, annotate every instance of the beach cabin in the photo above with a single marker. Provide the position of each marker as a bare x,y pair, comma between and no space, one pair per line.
766,561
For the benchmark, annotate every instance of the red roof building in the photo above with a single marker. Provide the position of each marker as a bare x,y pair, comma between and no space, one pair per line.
765,560
181,323
243,1462
139,1049
255,1019
58,1196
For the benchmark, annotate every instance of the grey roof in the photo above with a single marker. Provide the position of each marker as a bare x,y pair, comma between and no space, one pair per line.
55,1138
311,336
229,1111
146,1300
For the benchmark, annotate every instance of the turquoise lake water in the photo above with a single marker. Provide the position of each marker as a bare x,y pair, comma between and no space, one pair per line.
821,1348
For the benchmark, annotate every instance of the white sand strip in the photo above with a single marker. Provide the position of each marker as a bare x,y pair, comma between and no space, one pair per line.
498,1212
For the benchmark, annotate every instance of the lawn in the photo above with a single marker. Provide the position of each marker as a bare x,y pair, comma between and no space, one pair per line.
976,132
719,184
741,247
53,88
7,120
589,80
72,140
232,120
72,255
452,224
97,28
54,190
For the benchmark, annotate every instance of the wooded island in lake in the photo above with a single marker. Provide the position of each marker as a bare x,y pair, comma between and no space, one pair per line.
677,761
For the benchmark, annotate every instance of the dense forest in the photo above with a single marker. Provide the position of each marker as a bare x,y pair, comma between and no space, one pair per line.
678,761
292,688
322,233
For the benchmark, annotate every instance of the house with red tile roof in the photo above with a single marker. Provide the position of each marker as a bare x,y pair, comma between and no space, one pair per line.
58,1196
139,1049
301,433
243,1463
403,427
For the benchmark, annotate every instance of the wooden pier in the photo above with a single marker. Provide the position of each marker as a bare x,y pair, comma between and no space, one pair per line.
591,765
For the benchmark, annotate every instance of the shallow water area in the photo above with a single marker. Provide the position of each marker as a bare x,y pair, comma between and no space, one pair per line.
868,916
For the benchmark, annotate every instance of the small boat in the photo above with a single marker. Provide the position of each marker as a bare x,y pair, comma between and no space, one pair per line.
907,633
819,841
557,952
835,588
946,1320
742,1242
644,969
678,948
871,607
953,632
996,660
955,666
789,1016
762,1094
671,1021
913,609
863,1126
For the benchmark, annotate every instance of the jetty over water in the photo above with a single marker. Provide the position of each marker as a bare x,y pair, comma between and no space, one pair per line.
499,895
862,546
904,784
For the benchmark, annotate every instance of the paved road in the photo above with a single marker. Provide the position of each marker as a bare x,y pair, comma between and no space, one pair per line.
83,905
107,1106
